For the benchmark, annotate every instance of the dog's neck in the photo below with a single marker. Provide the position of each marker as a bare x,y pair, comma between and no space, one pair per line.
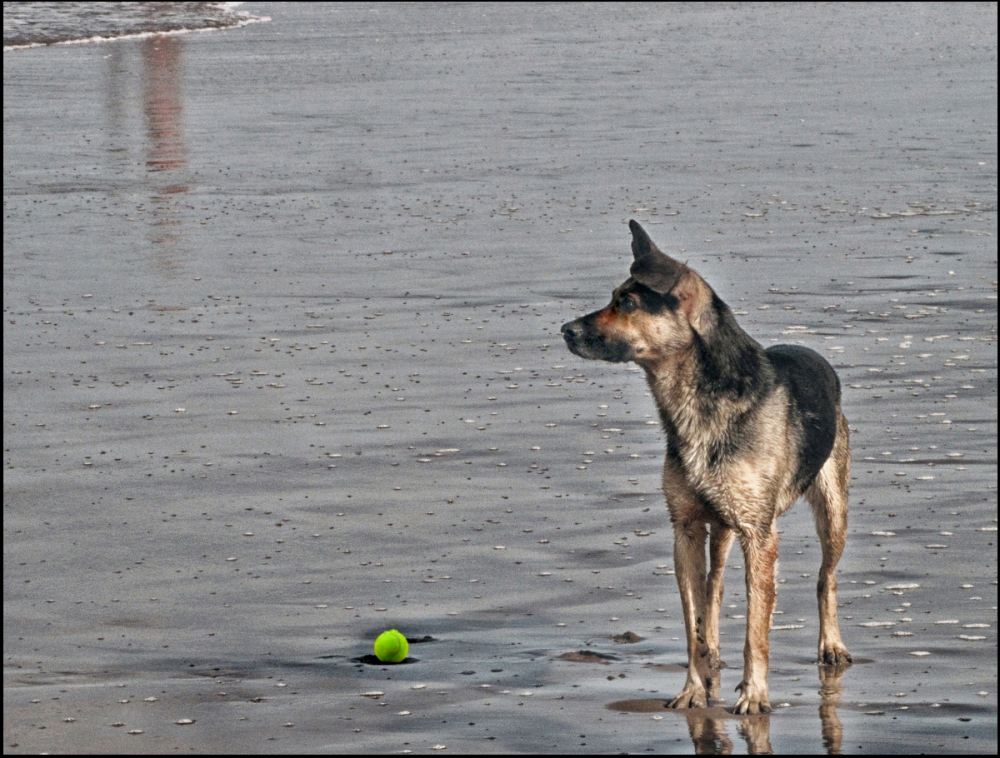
728,369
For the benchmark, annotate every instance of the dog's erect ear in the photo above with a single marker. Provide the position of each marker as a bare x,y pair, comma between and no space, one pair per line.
642,245
663,274
652,268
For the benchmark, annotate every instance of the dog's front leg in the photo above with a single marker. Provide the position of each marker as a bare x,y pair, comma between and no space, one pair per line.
760,551
689,565
720,541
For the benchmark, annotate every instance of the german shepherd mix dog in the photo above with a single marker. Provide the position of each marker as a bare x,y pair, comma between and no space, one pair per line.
748,432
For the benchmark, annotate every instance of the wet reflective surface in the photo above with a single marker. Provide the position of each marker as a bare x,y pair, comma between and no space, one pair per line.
283,370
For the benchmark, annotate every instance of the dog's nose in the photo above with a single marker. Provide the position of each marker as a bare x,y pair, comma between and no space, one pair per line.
571,330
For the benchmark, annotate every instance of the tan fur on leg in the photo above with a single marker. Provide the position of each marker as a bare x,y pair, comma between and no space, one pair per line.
760,549
828,498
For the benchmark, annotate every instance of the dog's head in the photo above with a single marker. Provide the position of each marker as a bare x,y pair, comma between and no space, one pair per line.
662,308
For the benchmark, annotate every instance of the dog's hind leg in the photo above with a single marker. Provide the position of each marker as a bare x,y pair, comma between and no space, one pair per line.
720,542
828,497
689,565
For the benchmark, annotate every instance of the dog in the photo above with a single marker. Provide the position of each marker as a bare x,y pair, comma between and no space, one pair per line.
748,431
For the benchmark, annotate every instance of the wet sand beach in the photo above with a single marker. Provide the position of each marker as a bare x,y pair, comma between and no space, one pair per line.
282,370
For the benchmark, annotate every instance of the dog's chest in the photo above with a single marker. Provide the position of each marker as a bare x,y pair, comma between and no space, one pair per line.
738,485
707,476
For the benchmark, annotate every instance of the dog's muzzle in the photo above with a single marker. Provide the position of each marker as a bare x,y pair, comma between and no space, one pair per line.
584,340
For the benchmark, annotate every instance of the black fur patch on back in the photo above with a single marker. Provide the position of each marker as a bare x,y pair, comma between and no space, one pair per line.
814,389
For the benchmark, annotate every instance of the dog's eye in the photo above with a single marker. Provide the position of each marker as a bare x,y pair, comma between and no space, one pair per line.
627,305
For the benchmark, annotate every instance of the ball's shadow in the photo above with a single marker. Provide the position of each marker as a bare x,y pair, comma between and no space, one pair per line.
373,660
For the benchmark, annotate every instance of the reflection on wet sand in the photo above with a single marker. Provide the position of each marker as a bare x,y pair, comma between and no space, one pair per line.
709,735
707,726
831,680
163,108
159,140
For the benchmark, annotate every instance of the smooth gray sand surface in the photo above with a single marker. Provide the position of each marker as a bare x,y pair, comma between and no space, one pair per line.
282,369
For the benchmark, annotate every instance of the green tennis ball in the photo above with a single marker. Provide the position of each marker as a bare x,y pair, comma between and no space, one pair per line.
391,647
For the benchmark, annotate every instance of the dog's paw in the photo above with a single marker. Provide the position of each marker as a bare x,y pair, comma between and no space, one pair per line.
689,697
751,700
834,654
